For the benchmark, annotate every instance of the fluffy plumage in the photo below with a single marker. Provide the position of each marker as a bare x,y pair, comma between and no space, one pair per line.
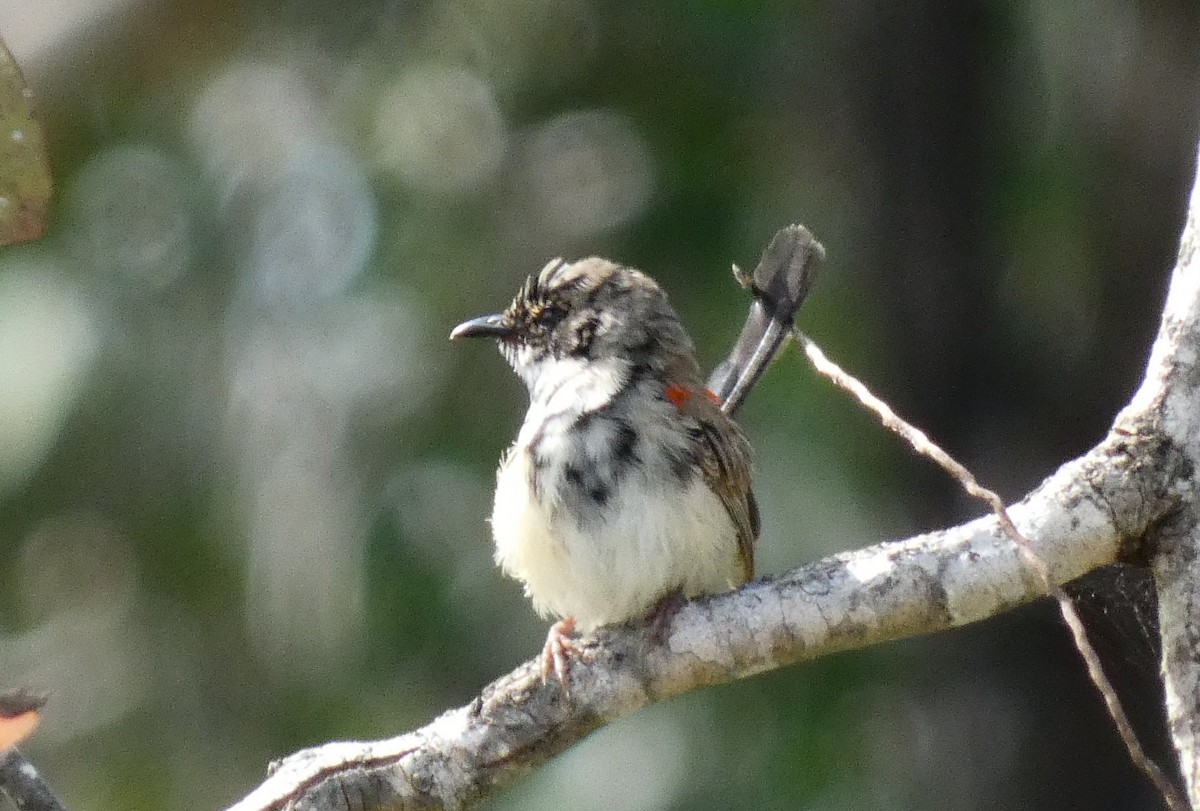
626,481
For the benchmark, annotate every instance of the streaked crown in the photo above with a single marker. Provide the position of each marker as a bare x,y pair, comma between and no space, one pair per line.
592,309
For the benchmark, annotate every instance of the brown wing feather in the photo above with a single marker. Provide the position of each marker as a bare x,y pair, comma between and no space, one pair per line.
725,460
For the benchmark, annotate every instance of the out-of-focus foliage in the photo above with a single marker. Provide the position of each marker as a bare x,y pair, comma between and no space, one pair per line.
24,165
244,476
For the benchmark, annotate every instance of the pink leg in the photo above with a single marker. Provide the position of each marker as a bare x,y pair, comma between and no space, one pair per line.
560,645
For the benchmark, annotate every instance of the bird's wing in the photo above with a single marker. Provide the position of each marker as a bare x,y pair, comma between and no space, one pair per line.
725,460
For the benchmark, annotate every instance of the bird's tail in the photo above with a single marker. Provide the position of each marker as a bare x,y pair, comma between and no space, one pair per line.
780,284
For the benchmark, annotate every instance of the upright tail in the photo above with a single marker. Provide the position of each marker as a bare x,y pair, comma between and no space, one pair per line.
780,284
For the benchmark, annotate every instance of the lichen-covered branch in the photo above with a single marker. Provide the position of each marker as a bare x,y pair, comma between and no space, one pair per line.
1076,520
1169,400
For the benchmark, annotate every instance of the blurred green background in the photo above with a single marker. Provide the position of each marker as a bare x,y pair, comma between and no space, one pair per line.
244,475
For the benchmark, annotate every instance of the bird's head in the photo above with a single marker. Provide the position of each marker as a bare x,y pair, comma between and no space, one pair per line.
590,311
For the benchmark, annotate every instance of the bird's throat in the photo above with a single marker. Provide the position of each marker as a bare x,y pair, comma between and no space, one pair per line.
562,386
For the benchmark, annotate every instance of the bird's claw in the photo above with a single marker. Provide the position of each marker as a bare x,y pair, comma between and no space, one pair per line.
560,646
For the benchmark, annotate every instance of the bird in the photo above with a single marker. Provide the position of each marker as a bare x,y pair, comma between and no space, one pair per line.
627,487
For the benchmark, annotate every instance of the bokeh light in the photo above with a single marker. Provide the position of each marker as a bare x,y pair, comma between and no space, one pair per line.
48,340
441,131
131,217
254,117
587,172
645,756
296,384
82,641
309,227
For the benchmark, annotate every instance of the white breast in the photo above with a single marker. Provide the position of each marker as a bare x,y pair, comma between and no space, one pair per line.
654,536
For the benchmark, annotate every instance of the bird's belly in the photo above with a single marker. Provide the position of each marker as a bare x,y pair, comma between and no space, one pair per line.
648,539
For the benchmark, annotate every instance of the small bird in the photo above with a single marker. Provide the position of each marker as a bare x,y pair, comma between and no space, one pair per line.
627,486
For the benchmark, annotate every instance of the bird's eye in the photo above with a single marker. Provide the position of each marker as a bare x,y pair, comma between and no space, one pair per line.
549,316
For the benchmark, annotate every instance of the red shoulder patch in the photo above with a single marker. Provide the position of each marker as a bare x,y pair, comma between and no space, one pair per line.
678,395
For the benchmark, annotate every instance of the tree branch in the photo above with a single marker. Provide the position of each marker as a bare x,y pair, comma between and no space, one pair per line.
921,443
1137,483
21,782
1077,520
1170,398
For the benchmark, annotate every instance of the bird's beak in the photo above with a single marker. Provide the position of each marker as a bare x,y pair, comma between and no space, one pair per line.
485,325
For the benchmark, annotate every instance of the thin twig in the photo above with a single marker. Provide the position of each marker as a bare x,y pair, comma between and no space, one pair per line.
923,445
21,783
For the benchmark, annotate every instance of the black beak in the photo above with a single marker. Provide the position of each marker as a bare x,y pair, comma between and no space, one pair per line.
485,325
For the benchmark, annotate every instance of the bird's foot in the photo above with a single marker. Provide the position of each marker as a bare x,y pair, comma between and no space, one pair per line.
560,646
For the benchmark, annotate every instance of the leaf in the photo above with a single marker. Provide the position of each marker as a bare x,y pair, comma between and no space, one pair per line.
25,185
